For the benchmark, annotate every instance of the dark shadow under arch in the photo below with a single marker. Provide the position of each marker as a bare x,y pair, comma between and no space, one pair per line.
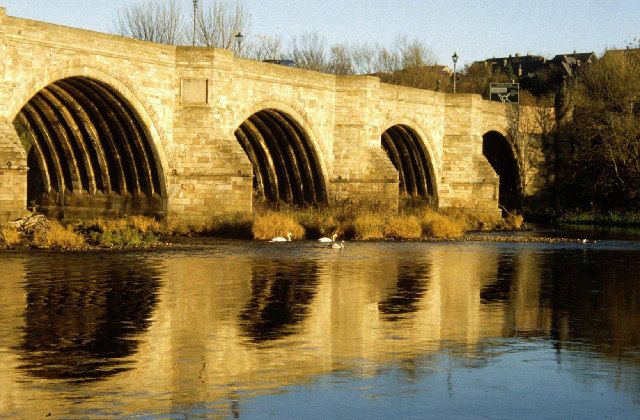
89,153
285,165
499,153
409,156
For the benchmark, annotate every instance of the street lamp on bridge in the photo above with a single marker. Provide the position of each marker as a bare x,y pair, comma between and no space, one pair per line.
454,57
239,38
195,9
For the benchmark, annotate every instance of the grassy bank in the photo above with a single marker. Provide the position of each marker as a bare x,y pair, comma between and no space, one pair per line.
347,221
611,219
39,232
365,223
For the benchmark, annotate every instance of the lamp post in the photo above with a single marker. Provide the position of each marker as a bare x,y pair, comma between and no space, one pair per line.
454,57
195,9
238,41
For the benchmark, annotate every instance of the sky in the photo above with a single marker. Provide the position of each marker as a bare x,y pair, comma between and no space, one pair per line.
475,30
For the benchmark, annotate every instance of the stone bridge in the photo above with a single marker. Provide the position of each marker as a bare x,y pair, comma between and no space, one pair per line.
96,124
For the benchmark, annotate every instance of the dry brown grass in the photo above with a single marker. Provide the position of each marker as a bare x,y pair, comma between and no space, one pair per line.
439,226
173,225
483,221
472,220
9,236
403,227
236,225
317,222
369,226
144,224
57,236
272,224
107,225
514,221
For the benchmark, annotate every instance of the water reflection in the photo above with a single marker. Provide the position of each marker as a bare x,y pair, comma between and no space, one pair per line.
411,284
595,301
83,314
428,312
499,282
281,291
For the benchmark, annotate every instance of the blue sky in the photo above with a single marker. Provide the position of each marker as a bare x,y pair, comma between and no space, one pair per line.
474,29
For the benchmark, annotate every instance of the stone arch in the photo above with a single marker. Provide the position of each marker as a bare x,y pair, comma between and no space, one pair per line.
300,117
412,154
120,82
94,143
500,153
287,162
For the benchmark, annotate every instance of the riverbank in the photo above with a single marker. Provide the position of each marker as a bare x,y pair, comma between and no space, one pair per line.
141,232
609,219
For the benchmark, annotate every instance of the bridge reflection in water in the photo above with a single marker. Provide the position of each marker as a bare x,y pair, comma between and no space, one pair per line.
204,331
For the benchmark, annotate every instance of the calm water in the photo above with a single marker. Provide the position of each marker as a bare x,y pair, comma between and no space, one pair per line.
377,330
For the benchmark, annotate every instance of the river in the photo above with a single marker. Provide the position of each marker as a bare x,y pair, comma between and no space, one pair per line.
224,329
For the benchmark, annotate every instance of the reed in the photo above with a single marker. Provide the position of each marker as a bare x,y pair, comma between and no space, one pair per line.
272,224
54,235
369,225
9,236
236,225
439,226
403,227
514,221
144,224
317,221
474,221
173,225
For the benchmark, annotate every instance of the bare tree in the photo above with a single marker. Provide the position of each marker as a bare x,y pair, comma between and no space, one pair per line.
388,61
413,53
264,47
409,63
219,21
364,60
309,52
341,61
151,21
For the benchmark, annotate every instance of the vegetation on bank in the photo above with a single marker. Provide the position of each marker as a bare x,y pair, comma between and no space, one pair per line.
602,173
366,221
141,232
39,232
617,219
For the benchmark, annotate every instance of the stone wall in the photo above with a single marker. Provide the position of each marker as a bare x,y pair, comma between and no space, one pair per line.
192,99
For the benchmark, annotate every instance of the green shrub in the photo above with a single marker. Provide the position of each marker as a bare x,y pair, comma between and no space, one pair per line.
123,238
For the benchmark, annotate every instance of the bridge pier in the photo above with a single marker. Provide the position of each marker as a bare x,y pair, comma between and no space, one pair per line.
13,174
362,172
467,179
210,173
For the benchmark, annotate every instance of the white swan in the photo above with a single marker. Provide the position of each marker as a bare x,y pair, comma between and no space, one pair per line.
327,240
281,239
336,245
